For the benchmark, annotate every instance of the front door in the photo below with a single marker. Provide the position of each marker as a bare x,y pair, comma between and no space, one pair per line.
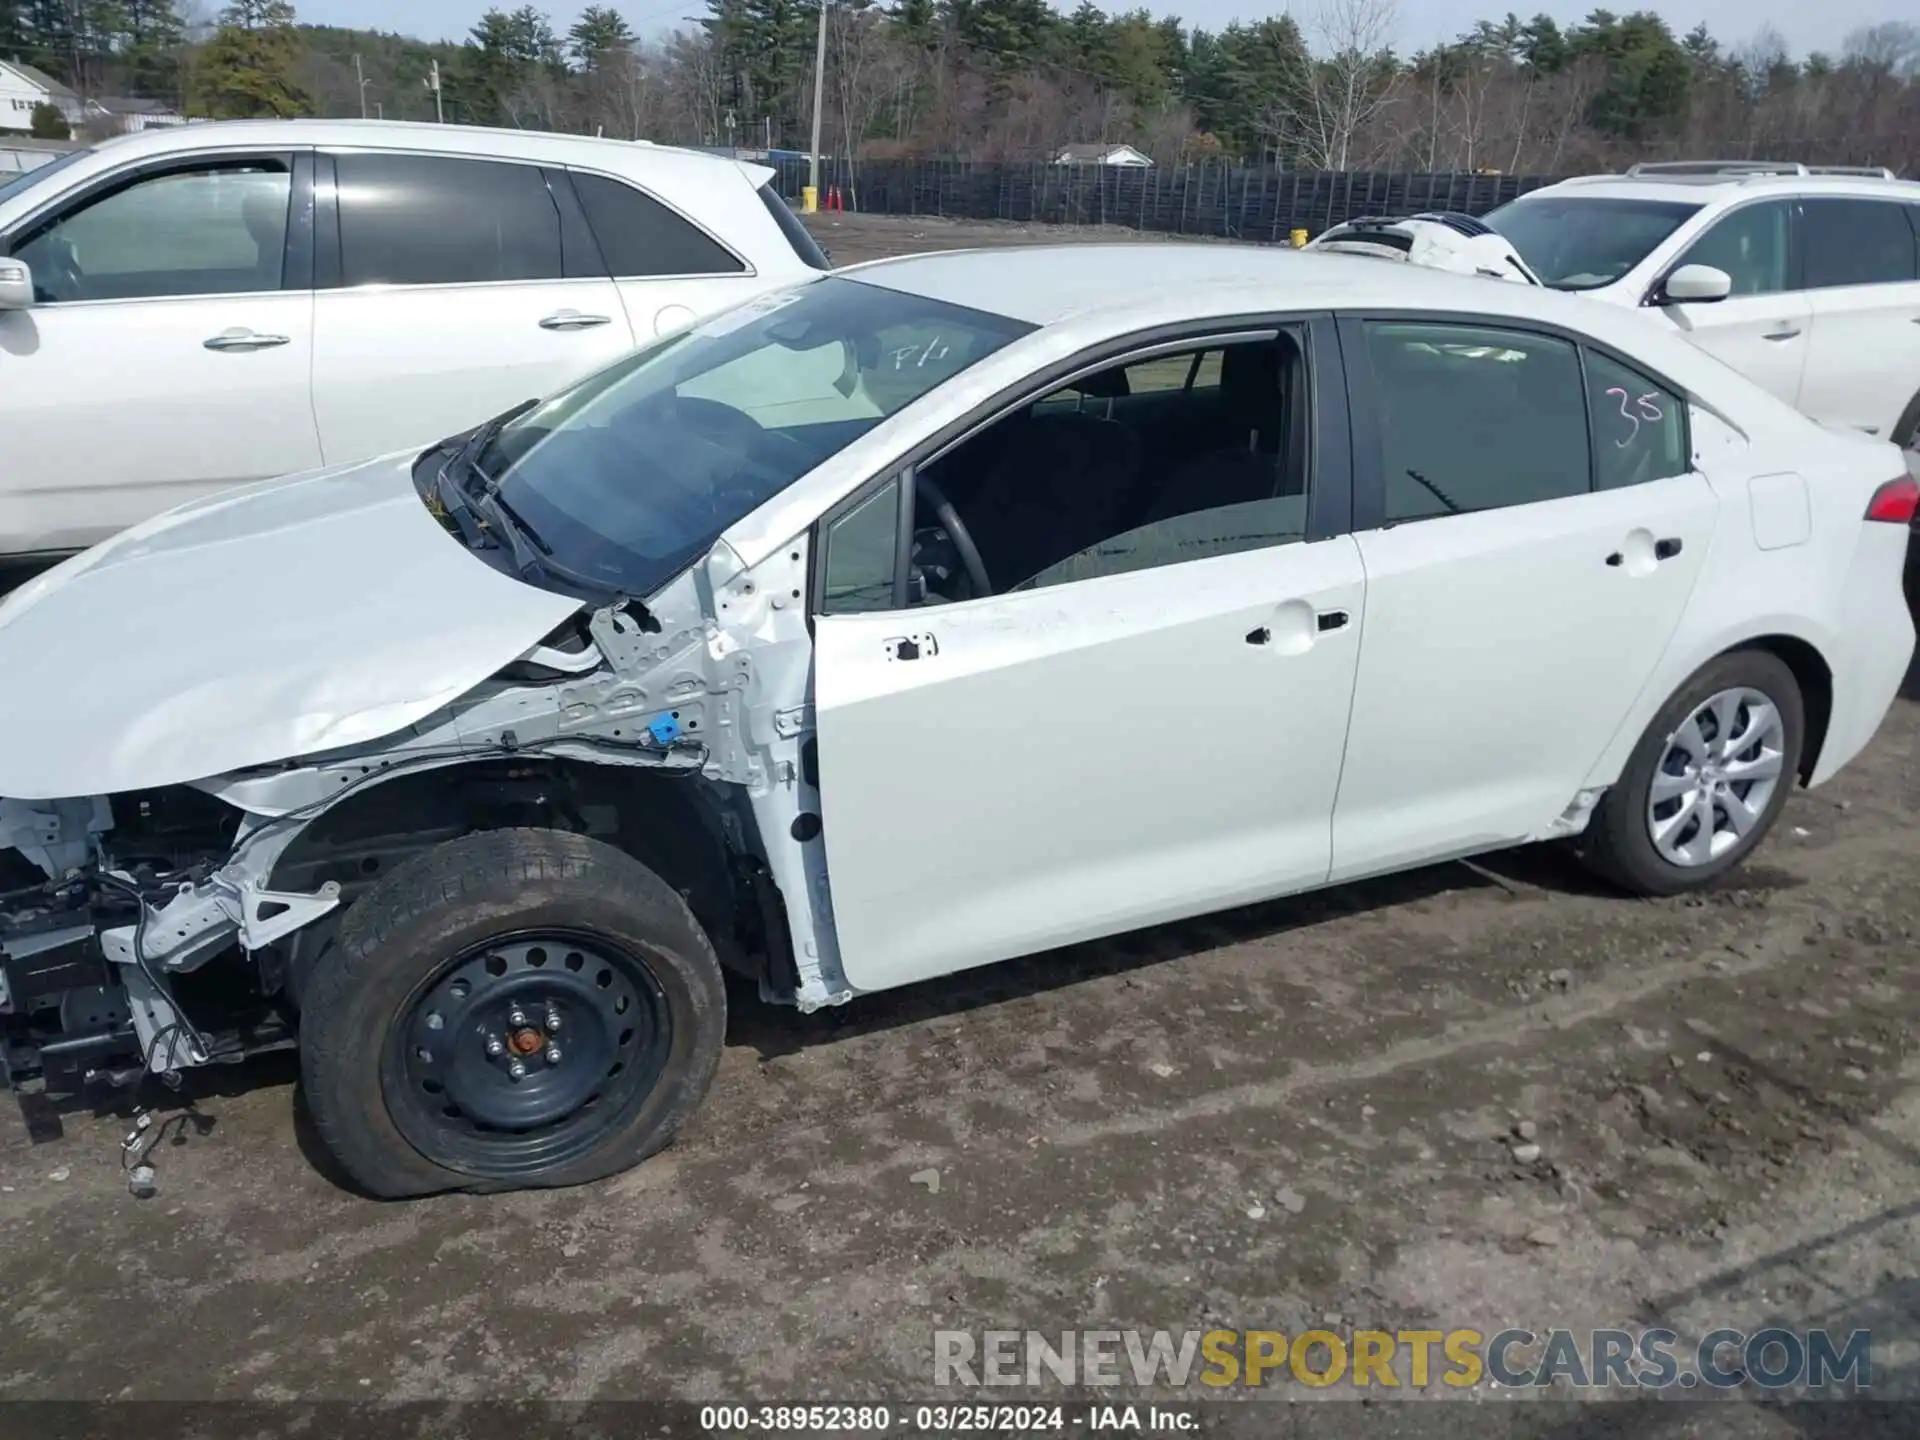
1763,328
1521,588
167,354
1146,720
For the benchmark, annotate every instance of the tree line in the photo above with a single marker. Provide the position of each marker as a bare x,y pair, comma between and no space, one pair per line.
1016,80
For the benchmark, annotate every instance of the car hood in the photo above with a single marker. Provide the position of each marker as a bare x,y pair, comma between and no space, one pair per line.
278,620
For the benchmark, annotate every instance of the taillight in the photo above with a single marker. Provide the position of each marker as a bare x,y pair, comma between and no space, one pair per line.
1896,501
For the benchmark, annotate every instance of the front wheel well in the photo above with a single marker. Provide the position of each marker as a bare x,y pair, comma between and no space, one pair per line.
1815,679
677,825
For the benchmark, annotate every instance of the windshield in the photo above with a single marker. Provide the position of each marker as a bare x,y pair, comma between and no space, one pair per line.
12,185
631,474
1584,243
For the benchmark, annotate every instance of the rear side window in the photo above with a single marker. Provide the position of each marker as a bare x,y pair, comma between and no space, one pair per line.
1639,427
798,236
640,237
1856,242
1476,418
424,220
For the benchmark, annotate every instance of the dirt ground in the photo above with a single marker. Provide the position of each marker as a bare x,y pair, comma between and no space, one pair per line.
1294,1115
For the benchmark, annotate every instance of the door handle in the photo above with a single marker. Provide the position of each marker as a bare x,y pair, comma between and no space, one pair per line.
1786,334
573,320
1666,549
243,341
1330,620
910,647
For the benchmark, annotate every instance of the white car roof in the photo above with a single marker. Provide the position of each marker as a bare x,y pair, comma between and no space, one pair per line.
631,156
1714,189
1051,284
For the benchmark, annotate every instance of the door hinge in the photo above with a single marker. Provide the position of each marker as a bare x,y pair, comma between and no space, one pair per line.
793,721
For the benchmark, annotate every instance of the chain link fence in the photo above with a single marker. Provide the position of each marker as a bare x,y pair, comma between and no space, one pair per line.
1240,202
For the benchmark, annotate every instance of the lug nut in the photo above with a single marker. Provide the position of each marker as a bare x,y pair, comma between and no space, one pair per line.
517,1017
553,1054
495,1048
517,1070
553,1023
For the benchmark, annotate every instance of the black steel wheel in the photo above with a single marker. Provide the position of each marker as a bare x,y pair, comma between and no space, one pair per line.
516,1008
519,1054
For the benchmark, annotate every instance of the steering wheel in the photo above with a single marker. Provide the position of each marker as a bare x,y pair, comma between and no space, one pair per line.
956,529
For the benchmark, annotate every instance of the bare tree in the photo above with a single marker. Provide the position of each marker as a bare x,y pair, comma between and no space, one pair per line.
1343,90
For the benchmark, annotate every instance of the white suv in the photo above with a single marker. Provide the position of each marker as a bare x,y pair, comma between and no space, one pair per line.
190,308
1806,281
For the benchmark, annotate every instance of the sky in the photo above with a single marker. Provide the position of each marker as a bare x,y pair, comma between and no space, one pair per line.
1804,26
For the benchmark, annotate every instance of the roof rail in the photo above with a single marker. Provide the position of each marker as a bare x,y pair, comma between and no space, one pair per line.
1718,167
1877,172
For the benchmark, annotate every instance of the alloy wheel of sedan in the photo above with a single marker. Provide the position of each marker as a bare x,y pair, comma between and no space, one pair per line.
1717,777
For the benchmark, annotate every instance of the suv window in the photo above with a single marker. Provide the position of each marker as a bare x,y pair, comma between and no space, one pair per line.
641,237
1475,418
209,230
1856,242
1639,427
424,220
1750,244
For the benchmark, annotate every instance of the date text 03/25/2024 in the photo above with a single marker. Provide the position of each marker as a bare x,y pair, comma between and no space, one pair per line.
945,1419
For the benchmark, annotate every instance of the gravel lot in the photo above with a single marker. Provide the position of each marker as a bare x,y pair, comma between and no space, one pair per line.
1268,1118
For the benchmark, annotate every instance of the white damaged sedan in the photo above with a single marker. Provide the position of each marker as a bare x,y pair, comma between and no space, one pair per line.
930,613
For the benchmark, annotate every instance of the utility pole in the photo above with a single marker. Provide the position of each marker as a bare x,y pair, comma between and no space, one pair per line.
812,196
360,76
433,84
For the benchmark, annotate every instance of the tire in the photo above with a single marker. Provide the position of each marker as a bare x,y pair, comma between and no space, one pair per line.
1619,843
400,1021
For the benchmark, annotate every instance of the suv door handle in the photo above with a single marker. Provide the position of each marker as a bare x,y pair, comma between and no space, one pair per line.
1666,549
573,320
1786,334
243,340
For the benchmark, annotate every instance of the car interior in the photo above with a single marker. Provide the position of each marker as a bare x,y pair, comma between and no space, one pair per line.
1146,462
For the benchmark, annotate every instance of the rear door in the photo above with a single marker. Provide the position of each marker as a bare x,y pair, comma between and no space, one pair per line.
168,351
450,289
1531,532
1763,328
1863,285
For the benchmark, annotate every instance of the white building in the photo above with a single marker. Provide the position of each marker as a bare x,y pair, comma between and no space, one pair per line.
1122,155
127,113
22,88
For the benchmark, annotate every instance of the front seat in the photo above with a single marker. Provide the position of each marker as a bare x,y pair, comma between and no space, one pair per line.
1253,414
263,209
1061,483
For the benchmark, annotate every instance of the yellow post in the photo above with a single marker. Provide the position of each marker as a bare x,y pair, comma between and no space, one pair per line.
809,199
1299,239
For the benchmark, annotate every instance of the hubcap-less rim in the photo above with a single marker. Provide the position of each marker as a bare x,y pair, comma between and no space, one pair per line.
1716,777
522,1053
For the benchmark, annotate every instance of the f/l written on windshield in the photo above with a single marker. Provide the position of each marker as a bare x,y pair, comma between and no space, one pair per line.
917,355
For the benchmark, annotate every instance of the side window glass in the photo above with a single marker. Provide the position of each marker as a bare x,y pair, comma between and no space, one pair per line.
423,220
1639,428
1476,419
1750,244
641,237
1856,242
213,230
1054,496
860,551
